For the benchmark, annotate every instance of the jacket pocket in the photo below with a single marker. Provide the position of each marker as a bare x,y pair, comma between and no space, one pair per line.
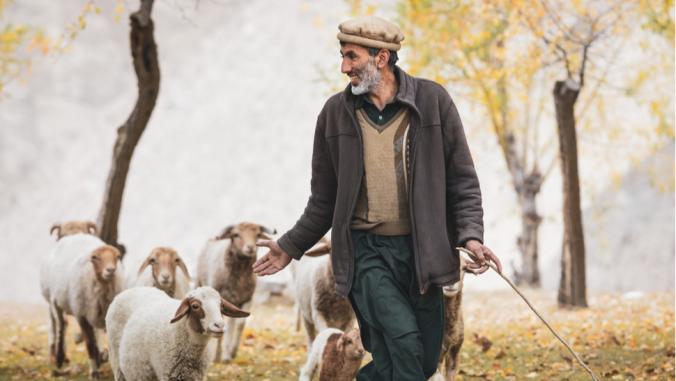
339,131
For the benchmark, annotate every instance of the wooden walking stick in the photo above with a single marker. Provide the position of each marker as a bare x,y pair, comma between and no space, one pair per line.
579,360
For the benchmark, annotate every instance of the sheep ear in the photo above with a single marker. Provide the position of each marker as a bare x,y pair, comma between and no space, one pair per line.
321,249
182,310
229,309
56,227
145,264
183,267
91,228
266,229
226,233
340,343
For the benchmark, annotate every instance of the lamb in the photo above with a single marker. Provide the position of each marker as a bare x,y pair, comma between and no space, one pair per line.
80,277
74,227
338,356
319,304
163,262
227,267
155,337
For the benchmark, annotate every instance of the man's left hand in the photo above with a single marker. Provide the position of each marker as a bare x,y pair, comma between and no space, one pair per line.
482,255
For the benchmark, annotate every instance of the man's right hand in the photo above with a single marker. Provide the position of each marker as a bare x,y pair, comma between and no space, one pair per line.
273,261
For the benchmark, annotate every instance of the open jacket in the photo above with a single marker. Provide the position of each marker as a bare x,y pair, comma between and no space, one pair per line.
443,188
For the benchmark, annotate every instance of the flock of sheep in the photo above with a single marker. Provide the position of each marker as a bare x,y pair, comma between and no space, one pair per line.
161,322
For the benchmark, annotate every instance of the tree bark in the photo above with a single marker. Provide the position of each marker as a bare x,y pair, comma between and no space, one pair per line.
144,55
527,241
527,187
572,289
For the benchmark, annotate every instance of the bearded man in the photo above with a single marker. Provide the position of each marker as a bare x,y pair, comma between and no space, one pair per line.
393,176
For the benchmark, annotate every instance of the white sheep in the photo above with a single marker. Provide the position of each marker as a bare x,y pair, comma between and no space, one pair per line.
162,274
320,306
225,264
337,355
155,337
80,277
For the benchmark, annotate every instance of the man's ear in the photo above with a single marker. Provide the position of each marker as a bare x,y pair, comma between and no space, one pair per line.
383,56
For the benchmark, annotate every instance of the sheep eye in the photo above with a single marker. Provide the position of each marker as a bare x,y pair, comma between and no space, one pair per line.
195,306
177,260
95,258
152,260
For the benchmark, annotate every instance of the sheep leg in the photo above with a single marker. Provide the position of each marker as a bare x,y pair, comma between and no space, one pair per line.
59,335
308,370
452,361
52,335
92,348
311,333
104,354
235,334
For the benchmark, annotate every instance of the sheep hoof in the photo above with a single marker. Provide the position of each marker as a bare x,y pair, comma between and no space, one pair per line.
226,359
103,356
94,374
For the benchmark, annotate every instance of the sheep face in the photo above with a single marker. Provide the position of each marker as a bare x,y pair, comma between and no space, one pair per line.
105,260
74,227
350,344
244,236
164,261
204,308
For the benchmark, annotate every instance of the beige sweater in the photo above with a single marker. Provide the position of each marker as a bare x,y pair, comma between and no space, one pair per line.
382,204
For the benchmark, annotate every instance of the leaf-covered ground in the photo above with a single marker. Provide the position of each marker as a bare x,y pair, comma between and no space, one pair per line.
620,338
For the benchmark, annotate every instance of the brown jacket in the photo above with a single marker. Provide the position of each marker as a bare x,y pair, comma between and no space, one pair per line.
444,194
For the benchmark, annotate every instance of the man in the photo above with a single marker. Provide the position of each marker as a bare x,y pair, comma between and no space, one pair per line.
393,176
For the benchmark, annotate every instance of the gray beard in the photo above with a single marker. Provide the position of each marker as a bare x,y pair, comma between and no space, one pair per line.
370,79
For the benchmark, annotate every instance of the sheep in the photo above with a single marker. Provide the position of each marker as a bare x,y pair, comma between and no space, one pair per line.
73,227
163,262
80,277
338,356
319,304
227,267
155,337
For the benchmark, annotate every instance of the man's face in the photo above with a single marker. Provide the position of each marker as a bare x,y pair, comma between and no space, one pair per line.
360,67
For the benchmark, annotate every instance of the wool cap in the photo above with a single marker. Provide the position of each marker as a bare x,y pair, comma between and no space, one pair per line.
372,32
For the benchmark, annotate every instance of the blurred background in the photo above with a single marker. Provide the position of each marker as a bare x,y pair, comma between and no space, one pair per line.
230,138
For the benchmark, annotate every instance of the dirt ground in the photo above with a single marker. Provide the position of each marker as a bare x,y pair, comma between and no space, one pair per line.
628,337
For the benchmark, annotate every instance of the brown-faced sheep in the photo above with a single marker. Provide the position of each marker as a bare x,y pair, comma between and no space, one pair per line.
225,264
337,355
80,277
163,262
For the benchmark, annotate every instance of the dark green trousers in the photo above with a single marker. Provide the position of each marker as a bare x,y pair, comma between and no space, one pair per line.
402,329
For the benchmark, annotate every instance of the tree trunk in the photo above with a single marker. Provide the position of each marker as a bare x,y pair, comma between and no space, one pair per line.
572,289
144,55
527,241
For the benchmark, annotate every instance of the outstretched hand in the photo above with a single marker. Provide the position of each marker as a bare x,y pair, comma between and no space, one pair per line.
482,255
273,261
